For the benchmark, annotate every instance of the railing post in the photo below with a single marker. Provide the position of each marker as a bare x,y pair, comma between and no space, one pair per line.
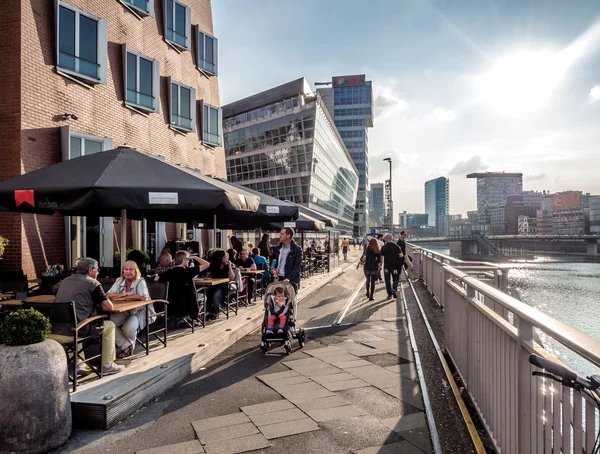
524,380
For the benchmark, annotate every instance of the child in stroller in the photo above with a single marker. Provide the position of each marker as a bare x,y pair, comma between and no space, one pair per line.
280,306
277,310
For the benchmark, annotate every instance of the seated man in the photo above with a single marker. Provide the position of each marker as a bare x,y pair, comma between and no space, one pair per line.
247,263
164,263
89,297
182,293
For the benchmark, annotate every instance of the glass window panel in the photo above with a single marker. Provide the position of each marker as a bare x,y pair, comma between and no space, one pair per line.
92,147
141,4
131,77
170,19
179,24
88,46
201,46
75,151
174,103
208,48
66,38
145,82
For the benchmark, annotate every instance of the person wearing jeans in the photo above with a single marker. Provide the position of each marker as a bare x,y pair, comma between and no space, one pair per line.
220,267
392,264
371,267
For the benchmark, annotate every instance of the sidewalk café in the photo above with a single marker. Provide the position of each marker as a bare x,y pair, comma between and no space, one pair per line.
102,186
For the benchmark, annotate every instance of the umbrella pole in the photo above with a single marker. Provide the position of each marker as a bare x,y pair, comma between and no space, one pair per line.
123,238
215,231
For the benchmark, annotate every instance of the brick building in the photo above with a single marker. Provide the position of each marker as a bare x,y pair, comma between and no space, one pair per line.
136,72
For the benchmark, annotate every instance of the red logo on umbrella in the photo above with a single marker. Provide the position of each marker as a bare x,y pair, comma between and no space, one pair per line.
24,196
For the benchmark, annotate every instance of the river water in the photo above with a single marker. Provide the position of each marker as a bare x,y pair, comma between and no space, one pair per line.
565,287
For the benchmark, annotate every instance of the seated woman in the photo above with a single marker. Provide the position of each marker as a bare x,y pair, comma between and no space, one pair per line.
220,267
130,286
277,310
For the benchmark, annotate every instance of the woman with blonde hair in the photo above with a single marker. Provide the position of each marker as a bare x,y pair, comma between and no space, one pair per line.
132,287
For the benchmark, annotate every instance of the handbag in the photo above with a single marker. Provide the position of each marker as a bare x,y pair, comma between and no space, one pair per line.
362,260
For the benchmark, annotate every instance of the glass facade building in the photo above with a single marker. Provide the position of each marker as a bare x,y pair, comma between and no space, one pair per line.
437,199
376,203
283,143
350,102
493,188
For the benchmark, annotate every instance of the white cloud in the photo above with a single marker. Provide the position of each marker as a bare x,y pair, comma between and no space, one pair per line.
387,101
471,165
442,114
595,93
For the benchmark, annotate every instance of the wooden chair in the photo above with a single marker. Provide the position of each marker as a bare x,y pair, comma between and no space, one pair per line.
74,336
202,299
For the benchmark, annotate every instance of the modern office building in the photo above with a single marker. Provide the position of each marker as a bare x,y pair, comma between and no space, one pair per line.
444,222
594,214
437,199
544,216
417,220
403,220
83,76
492,190
350,103
284,143
533,199
376,202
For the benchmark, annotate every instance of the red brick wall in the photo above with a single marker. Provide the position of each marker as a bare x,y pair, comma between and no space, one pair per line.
45,95
10,121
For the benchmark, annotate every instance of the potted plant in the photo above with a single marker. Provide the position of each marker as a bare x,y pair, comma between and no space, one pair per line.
3,244
140,257
34,386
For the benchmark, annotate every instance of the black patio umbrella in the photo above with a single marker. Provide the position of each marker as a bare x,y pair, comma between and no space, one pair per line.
122,182
270,209
329,222
304,223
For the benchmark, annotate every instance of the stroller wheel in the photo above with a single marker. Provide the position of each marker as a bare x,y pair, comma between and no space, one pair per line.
301,338
288,349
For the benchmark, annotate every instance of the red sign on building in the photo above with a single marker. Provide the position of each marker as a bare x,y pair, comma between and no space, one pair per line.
348,81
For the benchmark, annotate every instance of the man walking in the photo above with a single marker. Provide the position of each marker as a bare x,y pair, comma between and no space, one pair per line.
402,245
289,263
392,265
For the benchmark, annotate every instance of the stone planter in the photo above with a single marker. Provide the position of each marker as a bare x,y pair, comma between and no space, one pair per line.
35,410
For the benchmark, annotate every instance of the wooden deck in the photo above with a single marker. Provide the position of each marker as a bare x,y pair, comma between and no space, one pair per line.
101,403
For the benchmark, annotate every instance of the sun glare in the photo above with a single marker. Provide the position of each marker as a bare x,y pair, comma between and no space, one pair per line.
522,82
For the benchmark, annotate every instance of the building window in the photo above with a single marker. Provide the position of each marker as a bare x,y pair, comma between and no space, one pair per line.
142,79
207,53
182,101
212,125
143,7
81,44
177,24
76,144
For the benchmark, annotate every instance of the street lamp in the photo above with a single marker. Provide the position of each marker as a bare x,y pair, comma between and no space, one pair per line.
390,209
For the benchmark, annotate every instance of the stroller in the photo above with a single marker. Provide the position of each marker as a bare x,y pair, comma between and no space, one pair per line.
289,330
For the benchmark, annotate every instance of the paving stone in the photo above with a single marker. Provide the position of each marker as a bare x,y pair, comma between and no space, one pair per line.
353,363
405,370
322,371
385,383
285,429
319,394
406,396
291,381
334,378
325,402
406,422
357,349
226,433
295,389
269,407
346,384
277,416
339,359
327,414
233,419
277,376
420,438
373,373
403,447
236,445
325,352
303,362
187,447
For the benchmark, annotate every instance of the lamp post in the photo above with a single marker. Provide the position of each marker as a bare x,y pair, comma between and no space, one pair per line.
389,202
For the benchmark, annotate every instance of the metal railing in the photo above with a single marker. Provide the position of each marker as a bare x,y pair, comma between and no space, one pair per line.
489,336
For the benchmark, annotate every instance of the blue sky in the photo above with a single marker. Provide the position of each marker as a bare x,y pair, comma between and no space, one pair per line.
459,86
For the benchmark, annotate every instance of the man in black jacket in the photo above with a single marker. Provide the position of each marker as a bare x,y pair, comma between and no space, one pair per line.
289,263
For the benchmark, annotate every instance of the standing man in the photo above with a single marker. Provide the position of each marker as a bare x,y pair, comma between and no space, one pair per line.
392,265
289,263
345,246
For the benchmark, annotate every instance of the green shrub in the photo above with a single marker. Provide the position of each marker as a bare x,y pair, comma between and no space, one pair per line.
3,244
24,327
139,257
